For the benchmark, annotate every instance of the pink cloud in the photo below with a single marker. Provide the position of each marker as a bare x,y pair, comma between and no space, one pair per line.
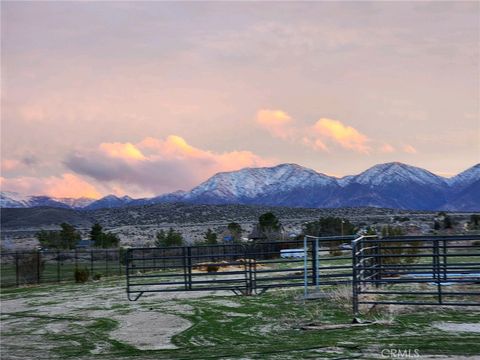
320,136
125,151
341,134
278,123
66,185
154,166
387,148
409,149
10,164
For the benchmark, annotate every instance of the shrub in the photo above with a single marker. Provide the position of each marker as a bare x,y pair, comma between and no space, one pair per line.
97,276
82,275
212,268
335,252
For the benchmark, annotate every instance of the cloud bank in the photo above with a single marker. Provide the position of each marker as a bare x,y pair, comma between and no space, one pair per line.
324,135
154,166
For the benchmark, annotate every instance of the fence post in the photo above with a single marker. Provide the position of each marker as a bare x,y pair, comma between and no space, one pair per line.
189,261
378,261
106,262
119,261
445,265
354,278
38,267
184,264
127,263
17,275
163,260
58,265
76,260
248,290
315,268
436,266
305,268
91,261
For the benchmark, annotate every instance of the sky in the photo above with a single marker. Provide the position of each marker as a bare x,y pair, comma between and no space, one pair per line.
144,98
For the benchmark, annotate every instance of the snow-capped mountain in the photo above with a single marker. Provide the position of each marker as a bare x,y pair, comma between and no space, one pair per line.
285,184
110,201
465,178
391,185
395,172
79,203
12,199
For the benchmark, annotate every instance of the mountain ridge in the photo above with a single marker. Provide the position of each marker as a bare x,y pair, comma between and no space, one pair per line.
391,185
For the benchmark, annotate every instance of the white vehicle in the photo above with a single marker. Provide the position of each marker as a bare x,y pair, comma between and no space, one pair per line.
291,253
345,247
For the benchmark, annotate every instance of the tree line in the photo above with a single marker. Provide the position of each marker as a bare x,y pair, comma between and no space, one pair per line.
68,237
268,228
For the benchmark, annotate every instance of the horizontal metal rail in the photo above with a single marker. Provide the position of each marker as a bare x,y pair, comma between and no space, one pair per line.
407,270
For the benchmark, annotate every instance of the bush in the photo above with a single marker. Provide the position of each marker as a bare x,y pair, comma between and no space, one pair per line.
212,268
335,252
82,275
97,276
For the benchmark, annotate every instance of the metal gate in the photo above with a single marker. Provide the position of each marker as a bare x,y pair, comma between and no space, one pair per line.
242,268
416,270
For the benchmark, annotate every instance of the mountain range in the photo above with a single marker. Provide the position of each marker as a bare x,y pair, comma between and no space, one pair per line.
390,185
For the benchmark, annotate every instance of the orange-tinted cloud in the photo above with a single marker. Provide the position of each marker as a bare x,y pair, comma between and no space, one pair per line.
155,166
324,133
278,123
125,151
10,164
409,149
387,148
66,185
344,135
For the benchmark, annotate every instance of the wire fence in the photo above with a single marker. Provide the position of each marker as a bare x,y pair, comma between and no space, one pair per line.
40,267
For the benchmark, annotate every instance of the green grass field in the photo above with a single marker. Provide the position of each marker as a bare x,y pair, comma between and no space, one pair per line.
96,321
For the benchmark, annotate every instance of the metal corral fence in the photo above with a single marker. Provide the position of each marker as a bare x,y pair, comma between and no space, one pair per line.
241,268
416,270
38,267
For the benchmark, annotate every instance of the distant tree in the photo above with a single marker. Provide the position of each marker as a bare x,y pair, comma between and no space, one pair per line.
109,240
409,249
447,222
49,239
392,231
268,227
103,239
161,238
96,233
69,236
171,238
210,237
269,222
436,225
235,230
370,230
329,226
66,238
474,223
